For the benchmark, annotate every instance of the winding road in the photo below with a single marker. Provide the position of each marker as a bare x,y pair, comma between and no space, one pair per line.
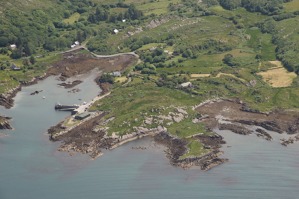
99,56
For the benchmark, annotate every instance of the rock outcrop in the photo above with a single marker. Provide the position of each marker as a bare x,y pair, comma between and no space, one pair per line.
178,147
238,129
4,124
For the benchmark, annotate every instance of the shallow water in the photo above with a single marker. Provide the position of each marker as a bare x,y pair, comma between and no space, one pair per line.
31,167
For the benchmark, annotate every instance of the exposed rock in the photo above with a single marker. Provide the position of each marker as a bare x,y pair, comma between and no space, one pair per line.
176,146
251,83
205,162
74,90
269,125
178,117
235,128
182,111
294,127
70,84
264,134
36,92
6,100
148,120
157,22
4,124
212,141
291,140
245,108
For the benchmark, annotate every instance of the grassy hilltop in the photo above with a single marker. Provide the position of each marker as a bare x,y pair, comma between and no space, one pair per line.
244,49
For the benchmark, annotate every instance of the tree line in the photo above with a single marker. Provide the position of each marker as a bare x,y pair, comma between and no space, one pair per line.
267,7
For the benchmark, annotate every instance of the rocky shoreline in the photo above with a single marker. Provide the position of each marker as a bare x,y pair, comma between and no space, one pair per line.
177,147
7,100
235,116
4,123
69,66
91,137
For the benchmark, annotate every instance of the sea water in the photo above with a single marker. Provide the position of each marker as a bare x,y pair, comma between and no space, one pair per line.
32,168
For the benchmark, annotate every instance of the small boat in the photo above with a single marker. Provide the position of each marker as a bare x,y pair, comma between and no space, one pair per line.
44,97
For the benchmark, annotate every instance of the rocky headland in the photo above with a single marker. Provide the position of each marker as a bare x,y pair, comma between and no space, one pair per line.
90,136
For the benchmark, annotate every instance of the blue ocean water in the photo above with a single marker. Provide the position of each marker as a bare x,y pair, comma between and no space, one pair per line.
32,168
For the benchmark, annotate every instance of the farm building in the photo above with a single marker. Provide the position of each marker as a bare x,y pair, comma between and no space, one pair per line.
82,116
14,67
186,84
116,74
115,31
13,46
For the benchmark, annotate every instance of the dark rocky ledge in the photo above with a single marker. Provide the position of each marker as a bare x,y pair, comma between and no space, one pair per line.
269,125
4,123
238,129
70,84
262,133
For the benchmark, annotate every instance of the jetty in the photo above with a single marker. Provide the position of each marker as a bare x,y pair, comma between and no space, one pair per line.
60,107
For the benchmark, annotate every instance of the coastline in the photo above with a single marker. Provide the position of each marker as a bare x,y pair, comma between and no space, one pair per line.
91,136
230,114
70,66
105,63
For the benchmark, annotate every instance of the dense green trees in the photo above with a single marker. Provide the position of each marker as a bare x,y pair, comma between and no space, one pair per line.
229,60
106,78
45,29
230,4
267,7
102,13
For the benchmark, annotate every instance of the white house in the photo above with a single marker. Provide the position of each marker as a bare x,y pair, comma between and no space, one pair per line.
14,67
186,84
116,74
13,46
115,31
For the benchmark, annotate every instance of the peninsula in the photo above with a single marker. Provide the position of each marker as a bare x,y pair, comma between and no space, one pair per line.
171,69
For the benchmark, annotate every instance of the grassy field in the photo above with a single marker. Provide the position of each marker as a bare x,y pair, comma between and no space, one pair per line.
149,7
72,19
10,79
132,104
195,149
278,77
138,100
292,6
